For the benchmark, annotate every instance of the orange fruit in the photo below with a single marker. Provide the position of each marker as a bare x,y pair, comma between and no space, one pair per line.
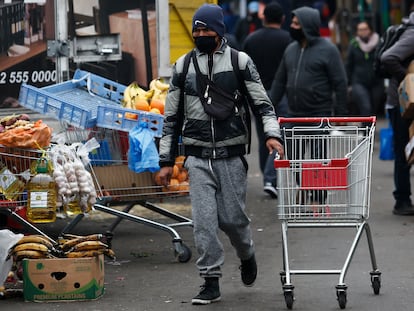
155,110
182,176
179,161
132,116
175,172
184,187
159,104
174,185
141,104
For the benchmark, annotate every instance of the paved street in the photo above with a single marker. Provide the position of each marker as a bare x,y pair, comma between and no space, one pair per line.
146,275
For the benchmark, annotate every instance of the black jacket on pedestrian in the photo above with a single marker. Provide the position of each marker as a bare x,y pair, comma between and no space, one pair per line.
310,76
360,66
266,46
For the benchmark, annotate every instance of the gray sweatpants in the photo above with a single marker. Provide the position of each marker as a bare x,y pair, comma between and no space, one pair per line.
218,196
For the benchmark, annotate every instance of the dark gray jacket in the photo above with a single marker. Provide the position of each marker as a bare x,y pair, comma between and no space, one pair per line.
311,76
202,135
396,60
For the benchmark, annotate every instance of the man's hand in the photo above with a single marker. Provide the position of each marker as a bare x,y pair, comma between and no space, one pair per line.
274,145
165,175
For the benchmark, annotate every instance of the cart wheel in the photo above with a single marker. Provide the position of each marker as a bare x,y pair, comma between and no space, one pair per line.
341,296
185,256
289,299
283,277
376,284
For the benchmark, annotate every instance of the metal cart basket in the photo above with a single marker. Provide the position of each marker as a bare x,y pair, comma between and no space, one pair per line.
325,182
116,186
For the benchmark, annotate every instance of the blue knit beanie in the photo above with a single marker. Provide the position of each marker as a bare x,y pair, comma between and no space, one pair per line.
210,16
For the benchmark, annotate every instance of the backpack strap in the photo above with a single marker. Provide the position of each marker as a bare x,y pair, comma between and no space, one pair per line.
180,112
242,85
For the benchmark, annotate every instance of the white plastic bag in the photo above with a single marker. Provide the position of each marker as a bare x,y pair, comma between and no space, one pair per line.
7,240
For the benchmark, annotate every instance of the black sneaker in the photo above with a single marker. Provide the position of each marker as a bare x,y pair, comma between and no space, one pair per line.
271,190
210,292
248,270
403,209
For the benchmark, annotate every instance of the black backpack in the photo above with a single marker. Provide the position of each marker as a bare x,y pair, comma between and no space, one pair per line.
387,40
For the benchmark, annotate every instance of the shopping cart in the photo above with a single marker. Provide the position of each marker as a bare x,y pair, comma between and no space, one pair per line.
325,182
118,186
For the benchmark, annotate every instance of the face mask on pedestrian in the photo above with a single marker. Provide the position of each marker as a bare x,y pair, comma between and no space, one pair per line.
297,34
205,44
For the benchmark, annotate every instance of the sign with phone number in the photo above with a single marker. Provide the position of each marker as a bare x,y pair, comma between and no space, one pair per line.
26,76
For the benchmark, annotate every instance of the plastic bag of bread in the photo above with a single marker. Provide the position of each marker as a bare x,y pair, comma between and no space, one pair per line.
26,134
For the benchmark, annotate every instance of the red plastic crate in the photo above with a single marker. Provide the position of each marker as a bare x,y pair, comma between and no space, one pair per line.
331,175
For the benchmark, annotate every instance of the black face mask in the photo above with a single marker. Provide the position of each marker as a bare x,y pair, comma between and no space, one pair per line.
205,44
296,34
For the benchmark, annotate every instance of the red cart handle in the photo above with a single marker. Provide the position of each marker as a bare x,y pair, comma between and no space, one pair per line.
327,119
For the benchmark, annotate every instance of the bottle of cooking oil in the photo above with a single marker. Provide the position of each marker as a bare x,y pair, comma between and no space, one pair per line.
77,205
10,185
72,207
42,197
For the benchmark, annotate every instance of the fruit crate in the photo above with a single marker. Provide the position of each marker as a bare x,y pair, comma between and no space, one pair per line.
119,118
76,101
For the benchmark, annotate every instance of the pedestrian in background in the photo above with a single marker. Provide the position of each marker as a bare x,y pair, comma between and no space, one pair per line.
248,24
367,89
215,149
311,71
266,46
396,60
313,76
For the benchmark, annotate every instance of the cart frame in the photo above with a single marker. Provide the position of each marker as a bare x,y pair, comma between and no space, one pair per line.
141,193
326,188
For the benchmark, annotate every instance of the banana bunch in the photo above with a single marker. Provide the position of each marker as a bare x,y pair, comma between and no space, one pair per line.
133,93
160,89
33,246
75,246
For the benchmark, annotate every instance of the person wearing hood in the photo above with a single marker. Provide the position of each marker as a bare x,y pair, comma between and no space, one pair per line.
396,60
215,147
311,72
313,77
367,89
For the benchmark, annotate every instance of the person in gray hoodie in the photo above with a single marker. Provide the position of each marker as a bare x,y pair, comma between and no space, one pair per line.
396,60
311,71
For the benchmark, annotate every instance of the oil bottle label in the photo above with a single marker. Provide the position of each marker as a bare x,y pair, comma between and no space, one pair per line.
38,199
7,179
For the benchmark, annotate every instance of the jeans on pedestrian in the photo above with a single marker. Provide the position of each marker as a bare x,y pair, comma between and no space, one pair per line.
366,99
402,192
266,159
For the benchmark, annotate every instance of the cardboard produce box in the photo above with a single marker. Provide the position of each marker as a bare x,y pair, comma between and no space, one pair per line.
406,96
63,279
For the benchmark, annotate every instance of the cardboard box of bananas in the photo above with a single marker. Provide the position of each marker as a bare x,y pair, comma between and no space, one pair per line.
68,246
151,100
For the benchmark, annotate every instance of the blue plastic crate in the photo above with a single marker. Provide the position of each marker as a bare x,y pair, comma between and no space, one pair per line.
119,118
40,101
75,101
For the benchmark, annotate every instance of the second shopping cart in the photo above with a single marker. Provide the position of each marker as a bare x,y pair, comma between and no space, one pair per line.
325,182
